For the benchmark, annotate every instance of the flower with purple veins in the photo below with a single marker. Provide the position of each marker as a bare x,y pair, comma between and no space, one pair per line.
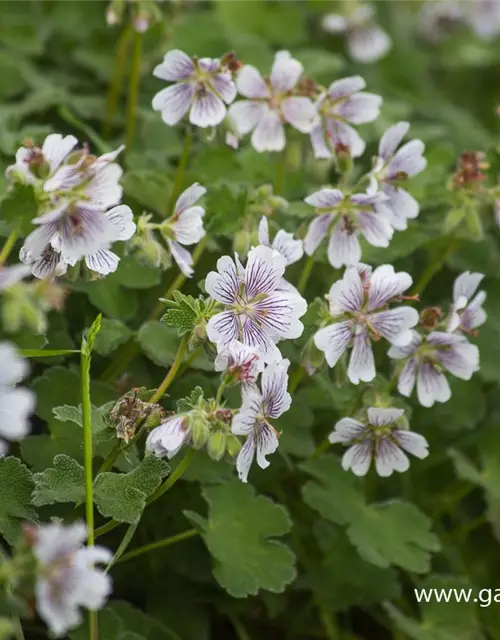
343,104
383,436
426,361
185,227
252,420
38,163
169,437
366,40
271,104
284,243
344,217
257,311
240,363
391,170
201,86
467,312
359,306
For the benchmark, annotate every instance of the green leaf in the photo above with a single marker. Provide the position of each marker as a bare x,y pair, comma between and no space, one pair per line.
16,485
18,207
158,342
227,207
113,333
101,431
122,496
239,534
393,533
108,296
64,482
150,189
181,313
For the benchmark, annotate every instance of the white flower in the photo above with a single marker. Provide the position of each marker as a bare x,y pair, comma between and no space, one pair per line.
484,17
169,437
290,248
67,576
257,311
54,257
271,104
185,227
240,362
11,275
35,164
366,41
359,304
428,358
393,167
344,217
252,420
467,312
201,87
381,436
16,403
439,18
344,103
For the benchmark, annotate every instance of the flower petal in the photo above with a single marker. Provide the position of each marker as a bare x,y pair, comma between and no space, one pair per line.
300,113
395,324
358,458
168,438
182,257
245,458
286,71
407,378
123,220
188,197
269,134
401,352
316,232
346,295
176,65
188,227
383,417
264,232
389,458
223,285
225,87
16,405
408,159
432,386
346,430
360,108
245,420
343,247
266,443
391,140
290,248
245,115
173,102
261,338
368,44
375,227
102,261
264,270
345,87
250,83
84,232
208,110
334,340
279,314
386,284
334,23
466,285
56,147
325,198
275,397
403,206
412,442
341,134
361,363
319,143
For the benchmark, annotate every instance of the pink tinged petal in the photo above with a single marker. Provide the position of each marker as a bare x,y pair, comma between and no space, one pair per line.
37,241
182,257
346,430
250,83
369,44
334,340
191,195
168,438
266,441
56,147
264,232
334,23
244,421
375,227
123,220
261,338
264,270
389,458
358,458
466,285
325,198
245,115
343,247
102,261
360,108
223,328
225,87
245,458
208,110
275,397
345,87
382,417
300,113
316,232
342,134
402,205
285,244
346,295
319,144
391,139
412,442
386,284
223,285
408,159
432,386
174,102
286,71
269,134
407,378
361,363
176,65
395,324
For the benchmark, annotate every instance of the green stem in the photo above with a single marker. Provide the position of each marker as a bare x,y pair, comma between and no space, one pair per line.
87,460
133,91
279,182
220,391
18,629
181,168
159,544
327,621
305,274
434,267
127,538
241,632
167,381
296,378
117,81
69,117
8,246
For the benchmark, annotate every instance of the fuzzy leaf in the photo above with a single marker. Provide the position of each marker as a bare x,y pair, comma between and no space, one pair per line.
64,482
113,333
16,485
19,207
100,429
159,342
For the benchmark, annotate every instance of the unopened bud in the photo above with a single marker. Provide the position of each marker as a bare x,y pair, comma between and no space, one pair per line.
216,446
241,242
198,430
344,158
233,445
430,317
154,419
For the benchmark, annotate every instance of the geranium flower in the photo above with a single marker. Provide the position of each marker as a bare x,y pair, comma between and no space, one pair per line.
284,243
240,362
271,104
359,305
467,312
342,105
393,168
67,576
344,217
252,420
366,40
185,227
201,87
169,437
382,436
34,164
16,403
257,312
428,358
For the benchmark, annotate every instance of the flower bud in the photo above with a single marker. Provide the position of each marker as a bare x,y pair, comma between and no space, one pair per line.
198,429
233,445
154,418
216,446
241,242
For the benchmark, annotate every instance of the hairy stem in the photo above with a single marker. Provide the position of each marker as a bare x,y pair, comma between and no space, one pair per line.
117,81
159,544
133,91
8,246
